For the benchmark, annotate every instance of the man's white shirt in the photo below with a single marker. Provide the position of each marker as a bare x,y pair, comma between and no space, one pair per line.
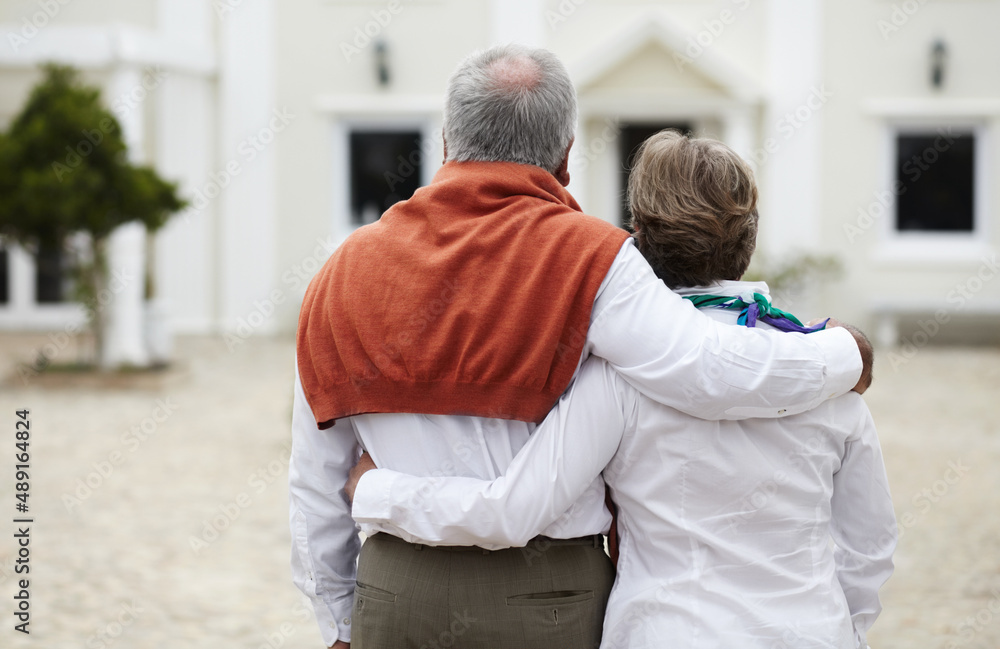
660,344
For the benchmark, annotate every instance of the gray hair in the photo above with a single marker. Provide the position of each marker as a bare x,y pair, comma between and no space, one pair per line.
510,103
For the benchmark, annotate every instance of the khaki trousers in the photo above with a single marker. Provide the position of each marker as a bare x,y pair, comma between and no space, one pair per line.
549,595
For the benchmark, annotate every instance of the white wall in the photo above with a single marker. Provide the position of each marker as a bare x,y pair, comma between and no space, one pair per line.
314,62
881,71
327,89
140,13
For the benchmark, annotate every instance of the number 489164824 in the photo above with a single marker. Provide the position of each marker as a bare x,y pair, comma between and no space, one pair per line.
22,435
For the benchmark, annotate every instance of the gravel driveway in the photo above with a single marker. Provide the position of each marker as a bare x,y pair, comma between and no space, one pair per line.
160,501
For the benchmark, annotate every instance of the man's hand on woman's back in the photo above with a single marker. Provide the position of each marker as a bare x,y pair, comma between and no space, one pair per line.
867,354
364,465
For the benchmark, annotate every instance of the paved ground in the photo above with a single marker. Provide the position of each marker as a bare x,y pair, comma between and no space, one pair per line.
172,533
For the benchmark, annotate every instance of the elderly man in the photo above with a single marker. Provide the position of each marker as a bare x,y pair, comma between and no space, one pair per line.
439,336
727,528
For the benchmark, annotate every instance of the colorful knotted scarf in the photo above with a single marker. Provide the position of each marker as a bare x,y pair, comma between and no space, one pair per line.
754,307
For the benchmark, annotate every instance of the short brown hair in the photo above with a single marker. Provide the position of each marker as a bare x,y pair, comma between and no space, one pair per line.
694,209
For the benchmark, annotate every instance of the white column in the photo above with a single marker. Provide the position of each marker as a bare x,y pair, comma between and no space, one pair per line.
593,163
22,280
604,176
185,134
578,168
791,173
190,22
340,178
124,335
185,153
520,21
125,323
244,176
739,132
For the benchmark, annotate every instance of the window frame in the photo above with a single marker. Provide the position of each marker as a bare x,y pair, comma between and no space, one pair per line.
6,281
908,245
610,163
342,217
22,312
623,156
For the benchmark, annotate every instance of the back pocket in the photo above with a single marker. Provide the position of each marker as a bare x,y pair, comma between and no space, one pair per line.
362,592
556,598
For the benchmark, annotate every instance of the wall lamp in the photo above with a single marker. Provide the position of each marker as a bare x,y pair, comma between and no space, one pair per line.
382,62
939,56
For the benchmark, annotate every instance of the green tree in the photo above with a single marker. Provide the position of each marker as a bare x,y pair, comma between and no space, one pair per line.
64,170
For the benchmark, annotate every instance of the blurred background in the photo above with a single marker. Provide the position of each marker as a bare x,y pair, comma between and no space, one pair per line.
263,133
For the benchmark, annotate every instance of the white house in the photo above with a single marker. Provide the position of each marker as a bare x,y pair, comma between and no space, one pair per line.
871,124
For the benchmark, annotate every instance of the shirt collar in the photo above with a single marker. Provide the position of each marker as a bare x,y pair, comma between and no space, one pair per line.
728,288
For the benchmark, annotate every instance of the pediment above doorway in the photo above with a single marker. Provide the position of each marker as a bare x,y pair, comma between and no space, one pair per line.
654,56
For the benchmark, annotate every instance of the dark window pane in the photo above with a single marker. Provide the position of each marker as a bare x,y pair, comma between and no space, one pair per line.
50,274
937,173
385,169
629,141
4,276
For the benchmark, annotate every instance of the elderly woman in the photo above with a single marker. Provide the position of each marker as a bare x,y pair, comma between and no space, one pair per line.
760,533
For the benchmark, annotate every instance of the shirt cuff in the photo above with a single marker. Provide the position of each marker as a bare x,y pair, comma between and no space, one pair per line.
843,360
333,624
371,497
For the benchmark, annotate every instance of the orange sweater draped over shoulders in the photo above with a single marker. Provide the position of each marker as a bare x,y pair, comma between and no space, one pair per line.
473,297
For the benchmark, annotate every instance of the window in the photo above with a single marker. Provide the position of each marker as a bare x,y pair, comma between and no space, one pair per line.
4,275
385,168
631,138
935,181
51,275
